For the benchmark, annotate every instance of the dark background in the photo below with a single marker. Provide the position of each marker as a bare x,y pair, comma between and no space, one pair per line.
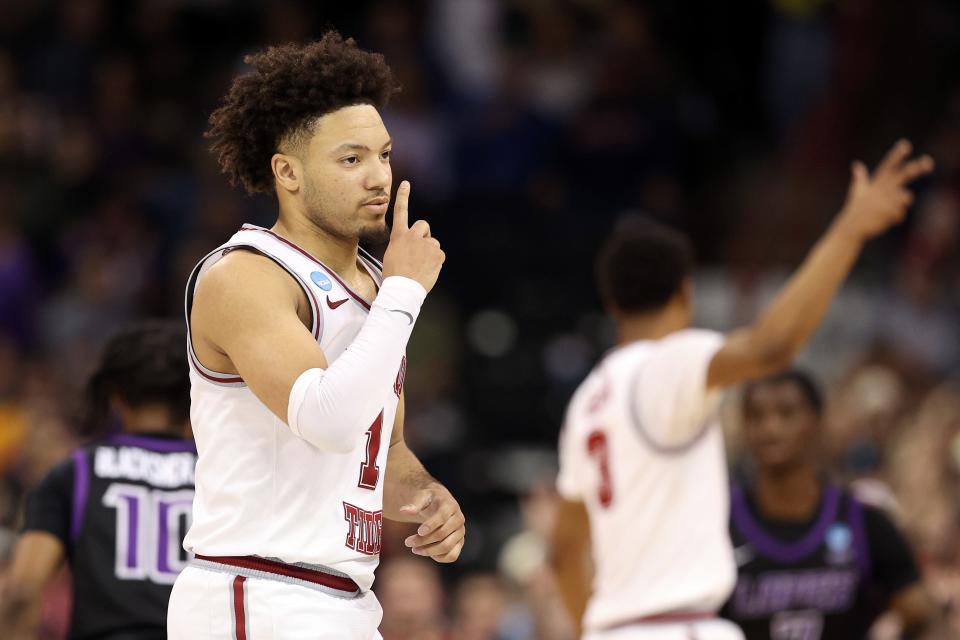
528,130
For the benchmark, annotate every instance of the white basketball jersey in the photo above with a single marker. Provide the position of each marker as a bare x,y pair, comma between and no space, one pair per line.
261,490
641,448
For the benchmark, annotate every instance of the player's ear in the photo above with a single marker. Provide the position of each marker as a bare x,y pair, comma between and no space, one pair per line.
287,172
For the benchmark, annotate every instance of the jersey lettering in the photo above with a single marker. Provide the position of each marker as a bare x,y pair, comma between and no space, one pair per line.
401,375
133,463
149,531
365,529
369,470
796,625
599,450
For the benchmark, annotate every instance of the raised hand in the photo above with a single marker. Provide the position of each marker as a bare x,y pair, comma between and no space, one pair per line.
879,201
412,251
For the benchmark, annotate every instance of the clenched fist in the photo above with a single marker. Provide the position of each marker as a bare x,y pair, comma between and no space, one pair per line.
412,251
879,201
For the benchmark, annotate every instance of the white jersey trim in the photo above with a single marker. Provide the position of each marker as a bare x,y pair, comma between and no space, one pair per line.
657,447
365,258
220,378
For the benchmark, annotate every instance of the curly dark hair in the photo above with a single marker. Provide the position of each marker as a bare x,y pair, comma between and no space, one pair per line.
145,363
642,265
291,86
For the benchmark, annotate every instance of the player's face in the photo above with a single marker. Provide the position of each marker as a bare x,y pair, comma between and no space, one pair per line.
780,425
347,174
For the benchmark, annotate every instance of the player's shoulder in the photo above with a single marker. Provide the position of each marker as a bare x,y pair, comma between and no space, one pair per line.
691,337
61,474
244,274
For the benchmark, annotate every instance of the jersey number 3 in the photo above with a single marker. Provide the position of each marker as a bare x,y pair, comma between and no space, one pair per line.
599,450
369,471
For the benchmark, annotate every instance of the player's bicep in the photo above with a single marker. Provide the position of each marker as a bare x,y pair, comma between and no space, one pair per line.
740,359
247,308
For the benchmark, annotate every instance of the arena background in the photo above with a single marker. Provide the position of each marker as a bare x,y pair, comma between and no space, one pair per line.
528,130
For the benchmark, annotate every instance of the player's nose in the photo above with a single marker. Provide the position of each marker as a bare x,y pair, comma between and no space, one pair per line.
378,176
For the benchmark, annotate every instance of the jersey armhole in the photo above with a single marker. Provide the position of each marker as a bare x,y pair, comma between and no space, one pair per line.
658,447
81,492
220,378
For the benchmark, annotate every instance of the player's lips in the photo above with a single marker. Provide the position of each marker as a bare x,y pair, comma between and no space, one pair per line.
377,205
771,447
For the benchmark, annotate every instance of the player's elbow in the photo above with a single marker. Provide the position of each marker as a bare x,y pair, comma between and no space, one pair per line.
16,602
336,434
326,415
774,358
767,356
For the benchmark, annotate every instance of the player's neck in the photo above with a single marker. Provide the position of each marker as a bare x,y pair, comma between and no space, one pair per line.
339,254
792,494
647,326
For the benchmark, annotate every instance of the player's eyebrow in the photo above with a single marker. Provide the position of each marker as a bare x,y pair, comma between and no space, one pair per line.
356,146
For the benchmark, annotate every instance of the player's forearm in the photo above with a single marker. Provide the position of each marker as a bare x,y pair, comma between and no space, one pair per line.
788,321
406,475
915,610
19,615
330,408
573,583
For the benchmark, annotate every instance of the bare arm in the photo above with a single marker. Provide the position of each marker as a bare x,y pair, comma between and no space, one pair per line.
242,298
874,204
36,559
410,494
570,558
406,475
914,608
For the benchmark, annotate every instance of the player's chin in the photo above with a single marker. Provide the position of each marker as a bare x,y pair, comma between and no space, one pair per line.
375,232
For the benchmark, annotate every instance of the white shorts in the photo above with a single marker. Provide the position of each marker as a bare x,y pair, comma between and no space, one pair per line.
694,630
214,605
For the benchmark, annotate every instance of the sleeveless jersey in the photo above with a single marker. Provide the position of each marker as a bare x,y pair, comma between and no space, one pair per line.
263,491
813,588
658,512
121,507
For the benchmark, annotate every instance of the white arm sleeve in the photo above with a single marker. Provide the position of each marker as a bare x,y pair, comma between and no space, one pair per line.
331,408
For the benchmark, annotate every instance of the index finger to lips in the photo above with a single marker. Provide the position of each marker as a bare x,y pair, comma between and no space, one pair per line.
400,210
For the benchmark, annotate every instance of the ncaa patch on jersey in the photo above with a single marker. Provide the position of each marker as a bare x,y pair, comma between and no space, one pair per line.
839,541
321,280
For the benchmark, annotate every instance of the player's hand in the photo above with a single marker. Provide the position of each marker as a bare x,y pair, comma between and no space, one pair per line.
442,530
412,251
879,201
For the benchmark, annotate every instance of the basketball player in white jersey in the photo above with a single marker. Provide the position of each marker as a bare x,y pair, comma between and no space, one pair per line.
642,469
296,343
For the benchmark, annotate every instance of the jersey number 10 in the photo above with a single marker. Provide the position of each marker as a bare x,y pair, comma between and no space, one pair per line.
149,544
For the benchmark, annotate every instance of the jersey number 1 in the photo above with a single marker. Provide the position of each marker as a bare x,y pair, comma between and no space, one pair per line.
599,450
369,471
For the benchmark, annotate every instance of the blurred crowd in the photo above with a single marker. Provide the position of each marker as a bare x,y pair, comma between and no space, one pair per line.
528,130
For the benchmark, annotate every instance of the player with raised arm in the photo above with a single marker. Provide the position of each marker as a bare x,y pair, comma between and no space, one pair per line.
117,509
642,468
297,340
